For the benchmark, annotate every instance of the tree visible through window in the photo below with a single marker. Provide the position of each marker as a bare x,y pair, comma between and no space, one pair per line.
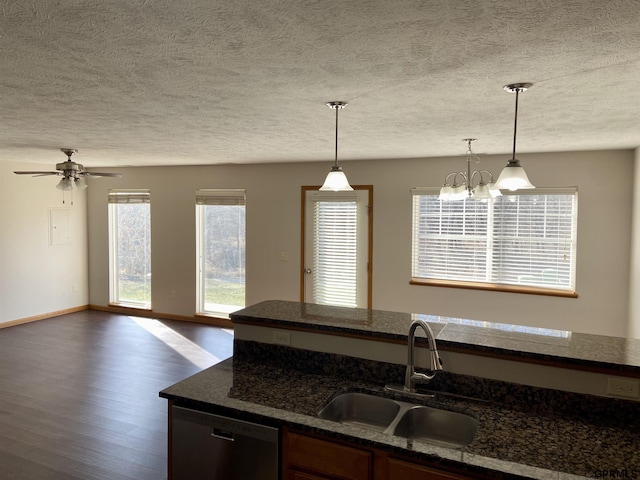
221,246
130,248
524,239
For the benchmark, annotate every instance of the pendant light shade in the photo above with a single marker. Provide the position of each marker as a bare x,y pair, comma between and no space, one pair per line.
513,176
336,180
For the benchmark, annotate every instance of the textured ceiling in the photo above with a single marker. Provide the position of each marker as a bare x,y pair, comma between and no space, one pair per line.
160,82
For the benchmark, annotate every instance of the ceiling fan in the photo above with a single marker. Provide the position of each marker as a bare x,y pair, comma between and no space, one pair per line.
71,172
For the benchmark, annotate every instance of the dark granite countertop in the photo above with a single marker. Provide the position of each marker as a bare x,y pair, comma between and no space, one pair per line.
513,441
621,355
524,432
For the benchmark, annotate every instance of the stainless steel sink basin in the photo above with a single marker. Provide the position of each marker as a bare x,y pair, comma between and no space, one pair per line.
451,429
360,409
403,419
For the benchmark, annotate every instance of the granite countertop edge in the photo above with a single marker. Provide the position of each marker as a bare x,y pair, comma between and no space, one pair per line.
578,350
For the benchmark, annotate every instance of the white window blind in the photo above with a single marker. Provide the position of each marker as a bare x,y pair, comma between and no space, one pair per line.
220,197
335,238
129,196
525,238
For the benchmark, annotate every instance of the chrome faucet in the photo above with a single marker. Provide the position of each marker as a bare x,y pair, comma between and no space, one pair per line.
411,377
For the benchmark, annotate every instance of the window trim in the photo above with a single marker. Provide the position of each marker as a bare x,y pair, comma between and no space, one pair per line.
496,287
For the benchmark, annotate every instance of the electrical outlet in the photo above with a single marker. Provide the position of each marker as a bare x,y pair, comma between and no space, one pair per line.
284,256
620,387
173,294
281,338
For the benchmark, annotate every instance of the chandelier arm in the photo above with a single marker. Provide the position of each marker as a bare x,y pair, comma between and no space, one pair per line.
446,179
480,172
490,175
462,174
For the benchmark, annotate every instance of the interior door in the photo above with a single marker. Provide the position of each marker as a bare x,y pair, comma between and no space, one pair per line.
336,247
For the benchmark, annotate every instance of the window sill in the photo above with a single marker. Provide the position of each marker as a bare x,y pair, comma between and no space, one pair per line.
493,287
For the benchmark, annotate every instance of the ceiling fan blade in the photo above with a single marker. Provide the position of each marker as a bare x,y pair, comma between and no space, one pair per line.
97,174
37,174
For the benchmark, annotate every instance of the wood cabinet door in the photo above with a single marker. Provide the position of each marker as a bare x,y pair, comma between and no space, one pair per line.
296,475
401,470
308,458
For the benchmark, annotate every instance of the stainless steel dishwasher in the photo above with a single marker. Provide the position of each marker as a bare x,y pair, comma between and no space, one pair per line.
212,447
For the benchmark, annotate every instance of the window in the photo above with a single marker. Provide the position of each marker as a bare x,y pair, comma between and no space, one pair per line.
221,246
522,241
336,247
130,248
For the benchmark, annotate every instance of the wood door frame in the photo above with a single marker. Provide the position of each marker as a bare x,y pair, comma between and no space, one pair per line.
369,189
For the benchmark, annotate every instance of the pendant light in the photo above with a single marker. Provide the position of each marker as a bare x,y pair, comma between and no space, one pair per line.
336,180
513,176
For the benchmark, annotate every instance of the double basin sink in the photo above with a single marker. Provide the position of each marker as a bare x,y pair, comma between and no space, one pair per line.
417,422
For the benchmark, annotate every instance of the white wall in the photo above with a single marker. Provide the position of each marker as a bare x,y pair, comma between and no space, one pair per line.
605,184
35,277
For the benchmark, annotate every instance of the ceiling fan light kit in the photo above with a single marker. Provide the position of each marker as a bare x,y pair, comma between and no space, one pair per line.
65,184
72,173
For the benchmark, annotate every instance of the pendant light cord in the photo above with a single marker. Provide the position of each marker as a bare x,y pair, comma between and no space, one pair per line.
515,124
336,106
335,162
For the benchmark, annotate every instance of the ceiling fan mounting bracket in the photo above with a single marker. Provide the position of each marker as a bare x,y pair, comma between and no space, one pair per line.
69,151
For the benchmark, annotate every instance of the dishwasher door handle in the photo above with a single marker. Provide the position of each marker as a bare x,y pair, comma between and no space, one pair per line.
223,434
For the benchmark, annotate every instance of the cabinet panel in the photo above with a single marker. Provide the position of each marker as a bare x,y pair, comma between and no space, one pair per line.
306,455
296,475
401,470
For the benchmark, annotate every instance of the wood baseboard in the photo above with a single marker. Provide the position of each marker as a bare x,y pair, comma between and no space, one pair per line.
43,316
206,320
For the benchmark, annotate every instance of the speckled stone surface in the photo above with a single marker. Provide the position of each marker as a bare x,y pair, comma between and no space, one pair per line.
524,432
595,351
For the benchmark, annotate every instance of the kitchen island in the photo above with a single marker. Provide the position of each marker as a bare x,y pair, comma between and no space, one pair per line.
524,431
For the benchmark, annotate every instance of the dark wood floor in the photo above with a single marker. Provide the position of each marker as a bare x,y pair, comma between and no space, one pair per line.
79,393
